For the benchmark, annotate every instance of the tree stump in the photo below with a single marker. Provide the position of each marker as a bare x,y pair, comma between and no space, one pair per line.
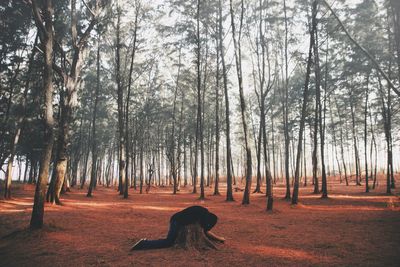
192,236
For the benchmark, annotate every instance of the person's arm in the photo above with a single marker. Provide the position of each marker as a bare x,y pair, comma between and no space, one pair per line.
215,237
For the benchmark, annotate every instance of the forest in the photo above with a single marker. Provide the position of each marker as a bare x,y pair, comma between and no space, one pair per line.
280,116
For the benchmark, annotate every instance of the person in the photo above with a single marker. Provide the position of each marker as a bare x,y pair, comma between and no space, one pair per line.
190,215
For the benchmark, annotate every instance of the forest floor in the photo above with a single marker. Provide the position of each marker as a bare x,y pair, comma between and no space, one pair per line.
350,228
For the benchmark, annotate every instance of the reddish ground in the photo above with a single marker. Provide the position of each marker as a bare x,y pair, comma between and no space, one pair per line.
351,228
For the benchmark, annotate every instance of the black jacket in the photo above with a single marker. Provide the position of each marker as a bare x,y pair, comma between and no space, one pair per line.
195,214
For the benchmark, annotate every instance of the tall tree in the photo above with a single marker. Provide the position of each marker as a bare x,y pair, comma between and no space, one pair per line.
229,193
199,131
94,149
120,104
43,16
304,104
238,61
285,105
127,105
217,126
317,69
71,78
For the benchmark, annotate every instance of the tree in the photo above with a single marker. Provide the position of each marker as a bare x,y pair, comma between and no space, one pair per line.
43,16
229,194
93,174
127,110
217,120
70,77
319,106
120,103
20,121
286,107
238,55
304,104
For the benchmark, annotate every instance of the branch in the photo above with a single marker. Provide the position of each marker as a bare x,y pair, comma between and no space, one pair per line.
56,68
38,19
395,89
90,10
87,32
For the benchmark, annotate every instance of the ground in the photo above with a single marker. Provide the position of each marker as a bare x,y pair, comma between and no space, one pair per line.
351,228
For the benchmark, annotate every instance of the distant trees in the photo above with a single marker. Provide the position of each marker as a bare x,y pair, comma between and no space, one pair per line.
131,94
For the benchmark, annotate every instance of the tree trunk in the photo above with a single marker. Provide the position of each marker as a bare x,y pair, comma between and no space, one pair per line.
304,107
47,93
217,134
127,112
353,128
320,119
141,169
238,60
366,137
216,159
315,150
94,141
120,102
286,108
229,193
341,144
192,236
71,82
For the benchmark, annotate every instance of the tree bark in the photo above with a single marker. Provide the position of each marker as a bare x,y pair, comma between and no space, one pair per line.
365,136
192,236
229,193
286,108
94,149
120,103
46,31
353,128
317,69
238,60
304,107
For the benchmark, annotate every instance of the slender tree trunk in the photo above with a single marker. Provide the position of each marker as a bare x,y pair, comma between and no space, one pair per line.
315,150
127,112
27,163
354,138
286,108
238,60
366,137
94,149
47,92
229,193
141,175
341,144
274,165
217,134
199,132
335,140
86,159
185,175
304,106
320,119
120,102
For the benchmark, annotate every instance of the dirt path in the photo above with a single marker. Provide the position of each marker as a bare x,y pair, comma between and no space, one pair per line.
350,228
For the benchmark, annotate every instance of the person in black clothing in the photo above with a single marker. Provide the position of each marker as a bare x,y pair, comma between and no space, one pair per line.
190,215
